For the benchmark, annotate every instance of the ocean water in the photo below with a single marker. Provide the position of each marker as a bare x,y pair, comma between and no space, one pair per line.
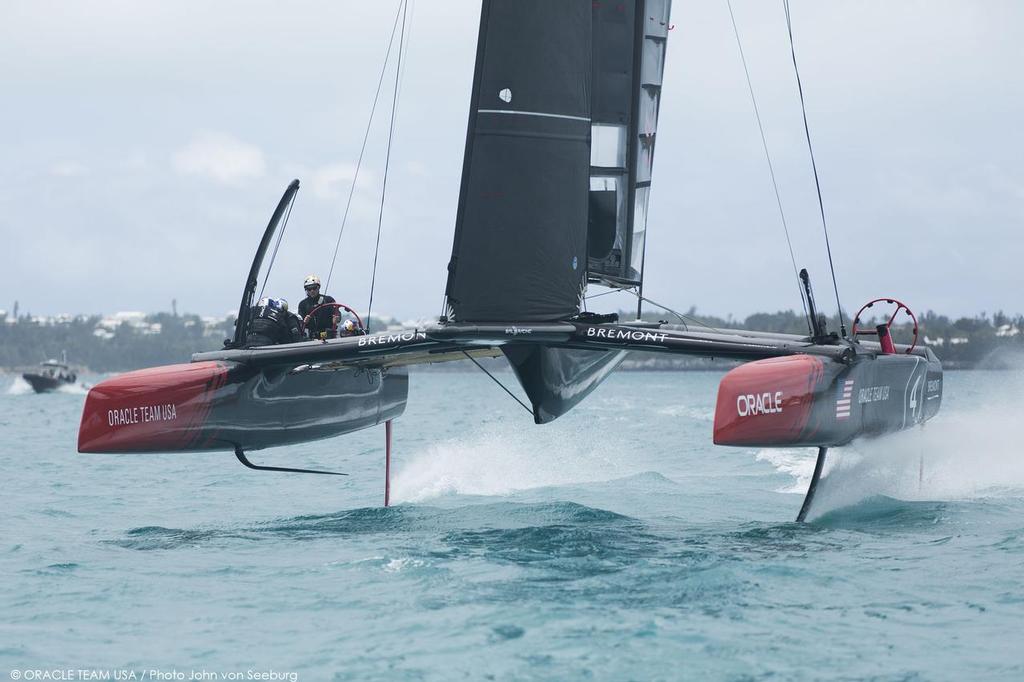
614,544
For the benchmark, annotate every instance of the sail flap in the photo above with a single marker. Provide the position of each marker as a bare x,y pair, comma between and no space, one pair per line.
629,58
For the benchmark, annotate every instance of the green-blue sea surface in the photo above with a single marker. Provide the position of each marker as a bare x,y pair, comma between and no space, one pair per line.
615,544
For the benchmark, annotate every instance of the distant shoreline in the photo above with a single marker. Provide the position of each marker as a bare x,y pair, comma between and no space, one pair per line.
126,341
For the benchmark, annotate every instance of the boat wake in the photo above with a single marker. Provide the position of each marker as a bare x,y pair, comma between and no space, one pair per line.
19,387
502,460
963,456
796,462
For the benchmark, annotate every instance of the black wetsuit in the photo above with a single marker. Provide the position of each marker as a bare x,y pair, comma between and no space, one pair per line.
323,320
272,325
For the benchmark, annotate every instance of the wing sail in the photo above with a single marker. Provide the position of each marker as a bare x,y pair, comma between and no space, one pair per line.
521,229
559,156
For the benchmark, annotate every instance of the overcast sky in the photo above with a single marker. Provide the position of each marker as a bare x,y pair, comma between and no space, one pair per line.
143,146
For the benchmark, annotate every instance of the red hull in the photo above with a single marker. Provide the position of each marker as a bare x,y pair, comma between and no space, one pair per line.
768,401
156,409
813,401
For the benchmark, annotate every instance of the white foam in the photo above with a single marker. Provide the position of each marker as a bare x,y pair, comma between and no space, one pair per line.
19,387
964,456
73,389
796,462
959,455
689,411
397,565
503,459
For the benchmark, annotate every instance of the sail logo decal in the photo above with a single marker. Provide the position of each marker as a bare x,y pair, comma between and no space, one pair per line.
385,339
142,415
749,404
872,394
844,399
505,95
625,335
516,331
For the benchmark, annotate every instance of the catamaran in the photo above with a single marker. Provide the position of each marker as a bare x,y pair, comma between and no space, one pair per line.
555,187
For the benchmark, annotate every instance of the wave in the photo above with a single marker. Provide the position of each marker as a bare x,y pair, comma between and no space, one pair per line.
505,519
879,512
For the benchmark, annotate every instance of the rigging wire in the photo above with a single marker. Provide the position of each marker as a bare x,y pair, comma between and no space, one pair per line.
362,150
685,319
277,245
771,168
387,164
810,150
603,293
408,41
495,380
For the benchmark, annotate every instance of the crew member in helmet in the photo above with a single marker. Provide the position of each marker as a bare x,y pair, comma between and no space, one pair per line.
324,322
272,323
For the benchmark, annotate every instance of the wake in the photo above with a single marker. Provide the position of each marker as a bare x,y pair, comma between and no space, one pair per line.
19,387
967,454
505,458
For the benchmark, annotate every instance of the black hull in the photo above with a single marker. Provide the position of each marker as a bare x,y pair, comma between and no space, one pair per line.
284,408
44,384
556,379
224,406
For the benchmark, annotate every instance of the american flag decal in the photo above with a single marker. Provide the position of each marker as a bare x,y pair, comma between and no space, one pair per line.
843,400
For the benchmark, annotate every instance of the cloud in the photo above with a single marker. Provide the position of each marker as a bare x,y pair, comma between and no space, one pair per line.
68,168
417,168
333,180
221,158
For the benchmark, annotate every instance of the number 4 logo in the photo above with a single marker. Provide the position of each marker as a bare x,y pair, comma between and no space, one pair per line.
915,401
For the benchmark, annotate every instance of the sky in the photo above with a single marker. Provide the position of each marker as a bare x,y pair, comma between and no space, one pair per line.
143,147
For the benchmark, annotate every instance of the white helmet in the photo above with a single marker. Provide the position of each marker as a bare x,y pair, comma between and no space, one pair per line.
349,326
311,281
